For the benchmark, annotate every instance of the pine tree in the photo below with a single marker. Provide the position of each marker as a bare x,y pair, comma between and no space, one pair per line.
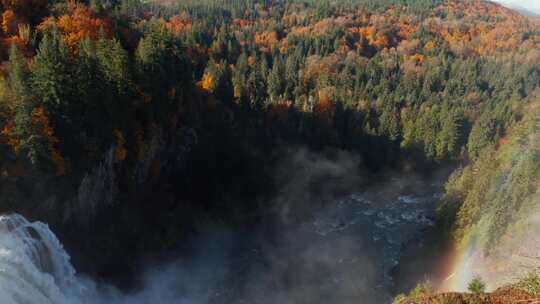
291,75
275,79
256,82
52,72
114,63
240,76
18,82
162,68
33,143
224,90
95,97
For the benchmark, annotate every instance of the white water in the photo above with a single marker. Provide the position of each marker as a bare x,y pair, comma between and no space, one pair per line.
342,253
330,258
35,268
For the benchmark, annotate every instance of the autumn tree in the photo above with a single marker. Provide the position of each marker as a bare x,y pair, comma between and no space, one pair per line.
80,22
27,11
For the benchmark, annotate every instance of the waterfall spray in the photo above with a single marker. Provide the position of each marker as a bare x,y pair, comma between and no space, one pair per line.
34,267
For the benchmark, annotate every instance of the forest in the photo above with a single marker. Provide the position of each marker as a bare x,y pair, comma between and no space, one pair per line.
124,124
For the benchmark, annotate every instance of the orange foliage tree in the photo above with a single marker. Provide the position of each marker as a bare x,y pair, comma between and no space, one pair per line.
266,39
10,22
80,23
28,11
178,24
324,107
13,142
207,82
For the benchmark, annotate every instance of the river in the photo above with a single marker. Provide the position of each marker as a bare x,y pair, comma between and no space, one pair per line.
344,252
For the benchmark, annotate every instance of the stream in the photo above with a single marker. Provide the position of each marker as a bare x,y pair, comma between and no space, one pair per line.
342,253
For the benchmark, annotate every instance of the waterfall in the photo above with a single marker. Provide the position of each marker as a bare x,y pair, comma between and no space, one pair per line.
34,267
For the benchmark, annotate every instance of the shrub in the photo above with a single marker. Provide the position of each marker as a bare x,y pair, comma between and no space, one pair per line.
477,285
532,284
400,298
423,289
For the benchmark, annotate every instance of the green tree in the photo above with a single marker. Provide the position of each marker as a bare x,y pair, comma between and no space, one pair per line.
33,143
162,68
19,93
275,79
256,82
240,75
477,285
52,72
114,63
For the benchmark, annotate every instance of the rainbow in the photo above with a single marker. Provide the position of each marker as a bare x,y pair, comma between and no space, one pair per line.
461,266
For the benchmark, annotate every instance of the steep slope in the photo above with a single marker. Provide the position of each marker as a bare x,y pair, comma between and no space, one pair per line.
495,202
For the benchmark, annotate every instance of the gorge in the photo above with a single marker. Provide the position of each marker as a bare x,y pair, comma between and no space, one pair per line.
269,151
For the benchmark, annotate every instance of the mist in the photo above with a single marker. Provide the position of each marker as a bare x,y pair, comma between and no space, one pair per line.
289,256
333,235
530,5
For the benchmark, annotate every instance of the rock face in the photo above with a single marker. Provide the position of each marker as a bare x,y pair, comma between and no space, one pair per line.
505,295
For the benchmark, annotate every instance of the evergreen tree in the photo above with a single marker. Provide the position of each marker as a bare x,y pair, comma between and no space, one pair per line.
162,69
275,79
18,82
33,142
52,73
